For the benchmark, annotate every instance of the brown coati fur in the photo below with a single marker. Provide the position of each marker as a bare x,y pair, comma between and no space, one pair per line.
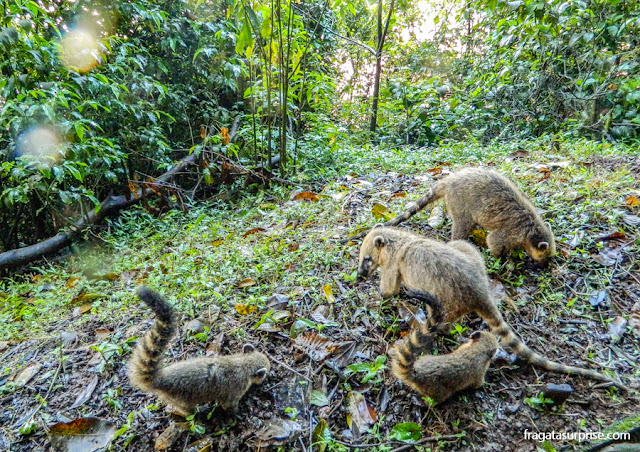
440,376
186,384
454,274
485,198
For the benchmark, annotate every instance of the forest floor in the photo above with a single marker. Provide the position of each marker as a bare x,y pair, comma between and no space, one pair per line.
270,270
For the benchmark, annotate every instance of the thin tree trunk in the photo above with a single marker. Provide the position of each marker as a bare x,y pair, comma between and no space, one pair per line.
382,34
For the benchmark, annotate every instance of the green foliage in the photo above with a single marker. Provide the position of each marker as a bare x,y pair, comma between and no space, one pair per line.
370,370
407,432
539,403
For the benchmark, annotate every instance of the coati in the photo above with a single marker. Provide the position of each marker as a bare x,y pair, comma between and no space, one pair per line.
440,376
483,197
454,274
186,384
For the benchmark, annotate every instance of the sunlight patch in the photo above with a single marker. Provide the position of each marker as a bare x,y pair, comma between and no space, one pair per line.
42,145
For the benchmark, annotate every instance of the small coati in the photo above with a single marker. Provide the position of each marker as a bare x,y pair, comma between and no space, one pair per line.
452,273
440,376
483,197
186,384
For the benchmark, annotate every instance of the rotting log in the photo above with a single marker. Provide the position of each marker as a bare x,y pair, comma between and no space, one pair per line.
112,204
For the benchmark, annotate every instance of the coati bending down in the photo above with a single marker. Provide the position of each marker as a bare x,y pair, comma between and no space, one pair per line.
186,384
440,376
452,273
483,197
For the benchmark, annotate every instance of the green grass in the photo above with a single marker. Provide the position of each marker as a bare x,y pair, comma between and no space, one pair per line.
200,256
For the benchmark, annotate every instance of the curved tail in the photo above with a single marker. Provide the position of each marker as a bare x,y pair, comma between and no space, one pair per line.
147,356
404,354
511,341
435,192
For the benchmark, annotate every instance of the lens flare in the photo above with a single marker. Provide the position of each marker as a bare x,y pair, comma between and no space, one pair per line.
41,145
80,50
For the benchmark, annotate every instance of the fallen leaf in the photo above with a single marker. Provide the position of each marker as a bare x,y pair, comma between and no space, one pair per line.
195,326
343,354
103,333
168,437
72,282
306,196
77,312
314,345
617,235
632,201
201,445
253,231
245,309
86,297
381,212
278,432
215,346
27,373
596,299
607,257
68,338
360,416
318,398
399,194
247,282
328,293
278,301
293,247
435,171
320,314
86,393
82,435
217,242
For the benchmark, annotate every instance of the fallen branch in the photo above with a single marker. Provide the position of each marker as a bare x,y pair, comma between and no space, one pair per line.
21,256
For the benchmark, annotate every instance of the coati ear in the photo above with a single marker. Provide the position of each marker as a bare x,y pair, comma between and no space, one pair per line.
379,241
548,225
261,373
476,335
543,246
378,225
248,348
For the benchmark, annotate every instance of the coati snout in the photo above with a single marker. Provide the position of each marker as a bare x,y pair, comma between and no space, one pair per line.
370,256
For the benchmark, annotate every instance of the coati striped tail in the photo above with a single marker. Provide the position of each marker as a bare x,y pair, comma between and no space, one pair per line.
511,341
147,356
407,351
435,192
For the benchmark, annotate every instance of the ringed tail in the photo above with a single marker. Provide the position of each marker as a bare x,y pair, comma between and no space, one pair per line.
147,356
435,192
511,341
